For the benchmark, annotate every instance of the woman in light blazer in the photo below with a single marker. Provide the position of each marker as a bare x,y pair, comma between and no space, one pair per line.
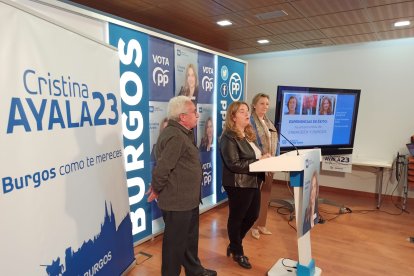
267,139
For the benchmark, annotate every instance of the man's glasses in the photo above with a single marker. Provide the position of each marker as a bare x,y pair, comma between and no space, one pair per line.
191,112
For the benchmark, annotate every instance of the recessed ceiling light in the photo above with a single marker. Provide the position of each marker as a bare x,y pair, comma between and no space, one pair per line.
263,41
401,23
224,23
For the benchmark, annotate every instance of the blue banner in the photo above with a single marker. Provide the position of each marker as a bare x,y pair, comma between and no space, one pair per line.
133,54
207,166
206,76
230,88
161,68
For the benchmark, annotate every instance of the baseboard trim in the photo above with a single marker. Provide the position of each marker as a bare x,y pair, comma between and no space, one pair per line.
349,192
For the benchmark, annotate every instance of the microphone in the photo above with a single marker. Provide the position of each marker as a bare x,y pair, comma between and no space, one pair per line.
297,151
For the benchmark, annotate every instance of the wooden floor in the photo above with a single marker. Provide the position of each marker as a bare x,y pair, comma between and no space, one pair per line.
358,243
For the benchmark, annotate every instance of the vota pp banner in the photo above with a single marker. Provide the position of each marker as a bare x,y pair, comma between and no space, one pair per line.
133,56
161,68
63,195
230,88
206,76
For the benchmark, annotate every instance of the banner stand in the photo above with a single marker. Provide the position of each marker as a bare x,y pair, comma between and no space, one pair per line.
301,164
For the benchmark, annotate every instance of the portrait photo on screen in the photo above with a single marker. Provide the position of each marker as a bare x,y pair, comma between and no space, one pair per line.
326,105
309,104
292,104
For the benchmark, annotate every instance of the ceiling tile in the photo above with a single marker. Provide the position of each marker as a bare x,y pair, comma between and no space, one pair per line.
278,47
250,15
355,38
247,32
199,8
241,5
237,44
371,3
363,28
246,51
300,36
312,43
403,33
318,7
399,10
289,26
339,19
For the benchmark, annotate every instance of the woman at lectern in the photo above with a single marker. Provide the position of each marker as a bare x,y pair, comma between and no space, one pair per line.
311,213
238,149
267,140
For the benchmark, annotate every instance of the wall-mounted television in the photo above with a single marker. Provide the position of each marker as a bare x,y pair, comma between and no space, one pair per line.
310,117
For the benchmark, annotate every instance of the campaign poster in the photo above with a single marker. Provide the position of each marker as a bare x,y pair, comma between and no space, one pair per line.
161,70
186,72
310,194
206,75
230,88
133,57
63,194
158,122
206,143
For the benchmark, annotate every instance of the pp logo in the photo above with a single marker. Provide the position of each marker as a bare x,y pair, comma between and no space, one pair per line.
206,178
307,163
236,87
224,72
207,84
160,77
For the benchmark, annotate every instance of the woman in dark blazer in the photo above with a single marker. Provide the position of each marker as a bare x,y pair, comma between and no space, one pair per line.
238,149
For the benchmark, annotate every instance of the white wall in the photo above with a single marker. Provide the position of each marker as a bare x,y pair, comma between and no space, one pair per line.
384,73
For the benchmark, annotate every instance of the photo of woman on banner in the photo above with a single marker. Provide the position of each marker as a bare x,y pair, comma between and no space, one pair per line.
311,214
206,143
162,125
155,211
326,106
292,105
190,86
206,153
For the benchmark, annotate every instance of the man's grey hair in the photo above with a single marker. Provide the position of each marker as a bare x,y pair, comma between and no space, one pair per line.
177,106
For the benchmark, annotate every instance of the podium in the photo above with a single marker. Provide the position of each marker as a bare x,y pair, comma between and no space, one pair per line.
302,166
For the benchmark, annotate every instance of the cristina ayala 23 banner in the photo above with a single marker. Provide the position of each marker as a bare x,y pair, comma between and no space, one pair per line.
63,194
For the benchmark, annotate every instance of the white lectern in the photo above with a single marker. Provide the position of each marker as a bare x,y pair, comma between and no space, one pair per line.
301,164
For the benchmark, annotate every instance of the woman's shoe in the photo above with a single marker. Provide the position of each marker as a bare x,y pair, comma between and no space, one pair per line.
243,261
263,230
255,233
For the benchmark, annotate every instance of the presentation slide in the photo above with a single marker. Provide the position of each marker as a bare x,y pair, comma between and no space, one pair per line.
312,118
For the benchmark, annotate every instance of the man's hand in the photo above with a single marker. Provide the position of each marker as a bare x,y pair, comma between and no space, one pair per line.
151,195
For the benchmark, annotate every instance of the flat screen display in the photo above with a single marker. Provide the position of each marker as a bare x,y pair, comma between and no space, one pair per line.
310,117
